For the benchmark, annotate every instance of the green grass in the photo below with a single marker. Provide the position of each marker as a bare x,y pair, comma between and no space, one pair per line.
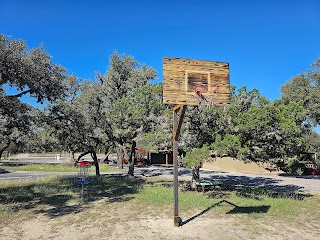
161,195
59,195
222,202
55,168
17,196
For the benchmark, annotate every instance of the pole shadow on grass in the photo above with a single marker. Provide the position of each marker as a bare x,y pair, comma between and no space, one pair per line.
235,210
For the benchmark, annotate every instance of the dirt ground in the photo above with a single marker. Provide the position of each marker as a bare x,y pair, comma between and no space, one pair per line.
228,164
125,220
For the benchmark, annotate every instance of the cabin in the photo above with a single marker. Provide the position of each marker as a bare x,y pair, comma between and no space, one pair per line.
161,157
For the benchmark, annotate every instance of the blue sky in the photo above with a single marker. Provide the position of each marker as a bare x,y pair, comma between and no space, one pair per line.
266,42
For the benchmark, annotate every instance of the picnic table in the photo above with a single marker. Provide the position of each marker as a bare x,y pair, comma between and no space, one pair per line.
207,184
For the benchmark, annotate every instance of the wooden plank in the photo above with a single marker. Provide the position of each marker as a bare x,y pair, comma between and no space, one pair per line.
174,73
183,69
192,62
176,132
217,104
169,89
194,99
191,97
176,107
170,74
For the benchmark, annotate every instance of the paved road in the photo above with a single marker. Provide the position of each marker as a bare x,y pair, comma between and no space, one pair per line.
30,160
27,174
309,184
284,183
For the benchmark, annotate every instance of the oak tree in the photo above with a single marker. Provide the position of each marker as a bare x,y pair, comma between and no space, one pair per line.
29,72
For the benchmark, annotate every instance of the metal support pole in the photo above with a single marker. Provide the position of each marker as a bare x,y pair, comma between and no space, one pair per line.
82,187
177,122
175,170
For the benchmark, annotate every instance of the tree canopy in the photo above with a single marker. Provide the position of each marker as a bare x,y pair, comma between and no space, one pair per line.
25,71
109,111
121,107
305,88
251,129
29,71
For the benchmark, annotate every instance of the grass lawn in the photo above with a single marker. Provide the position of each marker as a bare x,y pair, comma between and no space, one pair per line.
110,200
155,192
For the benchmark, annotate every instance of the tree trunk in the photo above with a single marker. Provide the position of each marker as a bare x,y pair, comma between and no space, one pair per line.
119,155
71,158
106,154
95,160
125,152
3,149
195,174
96,163
122,152
195,177
131,159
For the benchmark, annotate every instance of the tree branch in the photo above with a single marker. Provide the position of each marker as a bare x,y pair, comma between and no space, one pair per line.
83,154
20,94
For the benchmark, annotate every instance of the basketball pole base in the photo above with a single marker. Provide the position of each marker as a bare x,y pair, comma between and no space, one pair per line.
176,221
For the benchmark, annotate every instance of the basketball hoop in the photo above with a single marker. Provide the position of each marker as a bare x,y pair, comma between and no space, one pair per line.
190,82
206,94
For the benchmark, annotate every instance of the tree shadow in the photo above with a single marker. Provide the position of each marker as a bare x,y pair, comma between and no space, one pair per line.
3,171
272,192
118,199
287,175
150,171
56,198
234,180
249,210
62,210
218,194
252,187
235,210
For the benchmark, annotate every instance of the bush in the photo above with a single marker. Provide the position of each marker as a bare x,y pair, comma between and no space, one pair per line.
229,145
294,166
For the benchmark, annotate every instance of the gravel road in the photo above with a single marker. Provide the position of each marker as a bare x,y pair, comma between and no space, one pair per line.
310,184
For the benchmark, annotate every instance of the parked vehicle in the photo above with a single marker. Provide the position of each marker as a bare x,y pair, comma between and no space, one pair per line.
141,157
312,169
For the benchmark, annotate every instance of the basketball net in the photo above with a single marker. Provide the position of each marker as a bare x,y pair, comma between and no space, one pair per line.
206,94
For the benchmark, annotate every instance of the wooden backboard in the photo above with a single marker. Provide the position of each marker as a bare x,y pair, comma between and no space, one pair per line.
181,75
